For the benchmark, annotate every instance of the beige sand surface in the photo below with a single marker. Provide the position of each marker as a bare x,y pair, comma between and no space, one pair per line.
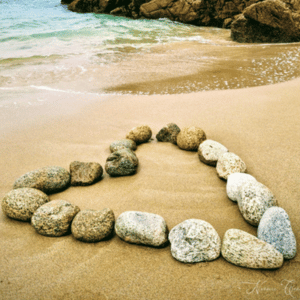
261,125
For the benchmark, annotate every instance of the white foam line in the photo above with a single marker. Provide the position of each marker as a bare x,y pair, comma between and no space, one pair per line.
64,91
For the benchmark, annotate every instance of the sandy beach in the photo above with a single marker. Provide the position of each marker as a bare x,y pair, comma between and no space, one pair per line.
259,124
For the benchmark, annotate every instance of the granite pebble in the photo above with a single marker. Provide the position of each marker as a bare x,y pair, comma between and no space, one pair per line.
189,138
209,152
85,173
168,133
256,198
140,134
194,241
48,179
54,218
235,183
121,144
93,226
142,228
275,228
20,204
245,250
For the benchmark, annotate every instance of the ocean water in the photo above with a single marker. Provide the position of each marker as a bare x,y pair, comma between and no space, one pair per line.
45,47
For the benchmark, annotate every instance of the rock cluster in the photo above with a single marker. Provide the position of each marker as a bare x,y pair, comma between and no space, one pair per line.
269,21
250,20
193,240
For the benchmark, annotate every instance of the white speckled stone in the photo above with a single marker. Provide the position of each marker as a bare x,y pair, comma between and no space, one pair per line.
275,228
209,152
256,198
229,163
235,183
245,250
142,228
194,241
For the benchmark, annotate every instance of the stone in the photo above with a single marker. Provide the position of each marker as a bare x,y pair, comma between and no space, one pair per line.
93,226
54,218
229,163
256,198
168,133
209,152
48,179
140,134
189,138
269,21
121,163
85,173
245,250
142,228
235,183
275,228
121,144
194,241
20,204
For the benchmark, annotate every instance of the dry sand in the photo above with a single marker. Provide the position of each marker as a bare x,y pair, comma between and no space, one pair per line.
261,125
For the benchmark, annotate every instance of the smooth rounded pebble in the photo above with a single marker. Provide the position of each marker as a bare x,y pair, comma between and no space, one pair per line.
229,163
275,228
256,198
142,228
48,179
140,134
121,144
54,218
194,241
168,133
85,173
121,163
245,250
189,138
93,226
209,152
235,183
20,204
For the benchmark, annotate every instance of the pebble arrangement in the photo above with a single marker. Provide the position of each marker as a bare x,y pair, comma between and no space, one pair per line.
191,241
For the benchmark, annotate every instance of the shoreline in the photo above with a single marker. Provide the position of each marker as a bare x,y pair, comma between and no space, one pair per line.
259,124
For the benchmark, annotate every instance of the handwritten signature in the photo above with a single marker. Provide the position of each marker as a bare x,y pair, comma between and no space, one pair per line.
289,287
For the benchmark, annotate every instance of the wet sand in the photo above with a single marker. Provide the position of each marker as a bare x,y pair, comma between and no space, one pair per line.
259,124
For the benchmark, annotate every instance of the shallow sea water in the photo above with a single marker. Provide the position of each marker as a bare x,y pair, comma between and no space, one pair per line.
49,48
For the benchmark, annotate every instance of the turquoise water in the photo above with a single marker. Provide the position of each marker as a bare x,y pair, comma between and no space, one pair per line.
46,47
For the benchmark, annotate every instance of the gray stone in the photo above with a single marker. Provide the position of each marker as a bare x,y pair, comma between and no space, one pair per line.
54,218
121,163
168,134
194,241
275,228
20,204
209,152
121,144
229,163
48,179
235,183
140,134
93,226
85,173
245,250
256,198
189,138
142,228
